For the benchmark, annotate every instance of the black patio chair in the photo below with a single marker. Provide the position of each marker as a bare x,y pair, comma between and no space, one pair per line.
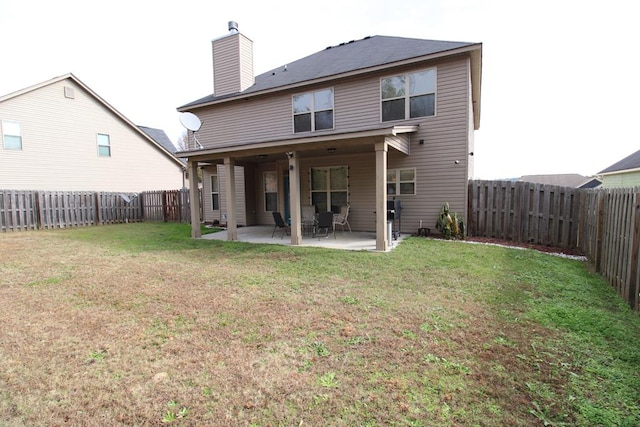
325,222
280,225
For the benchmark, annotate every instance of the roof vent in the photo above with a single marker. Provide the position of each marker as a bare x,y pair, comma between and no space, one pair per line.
233,27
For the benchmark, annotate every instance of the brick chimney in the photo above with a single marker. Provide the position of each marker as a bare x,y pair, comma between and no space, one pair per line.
232,62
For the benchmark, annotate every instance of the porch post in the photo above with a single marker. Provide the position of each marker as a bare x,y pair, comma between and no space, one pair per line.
194,198
294,198
230,189
381,196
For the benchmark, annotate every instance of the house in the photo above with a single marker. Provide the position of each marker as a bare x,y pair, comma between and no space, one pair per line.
624,173
573,180
59,135
368,123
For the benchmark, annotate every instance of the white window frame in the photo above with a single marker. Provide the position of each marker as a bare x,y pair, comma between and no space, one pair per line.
215,192
407,95
267,191
312,110
102,145
397,181
9,129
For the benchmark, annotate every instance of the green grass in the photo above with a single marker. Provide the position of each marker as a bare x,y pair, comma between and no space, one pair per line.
139,324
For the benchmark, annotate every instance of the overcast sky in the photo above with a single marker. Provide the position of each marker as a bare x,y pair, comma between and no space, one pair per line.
560,91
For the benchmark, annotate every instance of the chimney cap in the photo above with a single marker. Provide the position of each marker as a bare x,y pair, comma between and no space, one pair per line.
233,26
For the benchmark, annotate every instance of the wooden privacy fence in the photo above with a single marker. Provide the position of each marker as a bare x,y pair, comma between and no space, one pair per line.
32,210
610,236
524,212
168,206
603,223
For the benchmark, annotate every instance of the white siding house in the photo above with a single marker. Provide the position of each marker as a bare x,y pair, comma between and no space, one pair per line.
59,135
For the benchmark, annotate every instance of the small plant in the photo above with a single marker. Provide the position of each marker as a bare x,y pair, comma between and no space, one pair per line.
97,356
328,380
319,348
349,300
171,415
449,225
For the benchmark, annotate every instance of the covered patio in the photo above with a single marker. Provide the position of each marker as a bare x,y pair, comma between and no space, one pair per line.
353,241
378,141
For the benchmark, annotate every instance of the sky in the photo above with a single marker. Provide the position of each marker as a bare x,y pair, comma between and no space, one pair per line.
560,90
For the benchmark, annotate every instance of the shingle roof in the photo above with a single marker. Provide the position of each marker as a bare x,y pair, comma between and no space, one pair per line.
159,136
346,57
629,162
561,179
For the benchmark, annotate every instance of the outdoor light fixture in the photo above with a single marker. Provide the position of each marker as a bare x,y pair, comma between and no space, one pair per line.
331,150
421,142
262,156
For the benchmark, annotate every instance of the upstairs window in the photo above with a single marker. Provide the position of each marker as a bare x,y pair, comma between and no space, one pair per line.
104,145
407,96
313,111
11,136
401,182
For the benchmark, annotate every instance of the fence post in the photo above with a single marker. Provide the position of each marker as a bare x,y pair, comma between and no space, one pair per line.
599,231
634,284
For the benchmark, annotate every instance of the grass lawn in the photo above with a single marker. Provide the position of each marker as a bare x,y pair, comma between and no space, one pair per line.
138,324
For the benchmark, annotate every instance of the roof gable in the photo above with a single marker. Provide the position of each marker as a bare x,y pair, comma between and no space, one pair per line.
353,56
166,151
628,163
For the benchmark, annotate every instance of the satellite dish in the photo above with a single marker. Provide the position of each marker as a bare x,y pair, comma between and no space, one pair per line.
190,121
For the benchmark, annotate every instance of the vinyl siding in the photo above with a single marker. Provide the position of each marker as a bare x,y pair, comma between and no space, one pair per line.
621,180
232,64
357,106
241,205
59,146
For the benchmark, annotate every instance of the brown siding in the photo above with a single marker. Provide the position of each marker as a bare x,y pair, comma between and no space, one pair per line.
357,107
232,64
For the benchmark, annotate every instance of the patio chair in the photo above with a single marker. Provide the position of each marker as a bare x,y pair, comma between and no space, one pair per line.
341,219
325,222
280,225
308,219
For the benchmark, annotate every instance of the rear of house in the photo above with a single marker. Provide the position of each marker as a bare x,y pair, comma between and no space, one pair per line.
368,123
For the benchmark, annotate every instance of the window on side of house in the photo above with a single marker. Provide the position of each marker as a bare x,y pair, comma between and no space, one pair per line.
407,96
270,191
11,135
215,193
104,145
401,182
329,188
313,111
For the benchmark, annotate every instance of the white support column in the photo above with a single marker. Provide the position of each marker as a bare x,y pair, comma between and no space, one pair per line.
230,189
194,199
382,243
294,198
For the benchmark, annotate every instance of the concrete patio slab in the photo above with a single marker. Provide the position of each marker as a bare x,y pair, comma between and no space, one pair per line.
353,241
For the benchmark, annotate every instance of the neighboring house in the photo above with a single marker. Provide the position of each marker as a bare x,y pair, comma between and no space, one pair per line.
625,173
59,135
563,180
362,123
